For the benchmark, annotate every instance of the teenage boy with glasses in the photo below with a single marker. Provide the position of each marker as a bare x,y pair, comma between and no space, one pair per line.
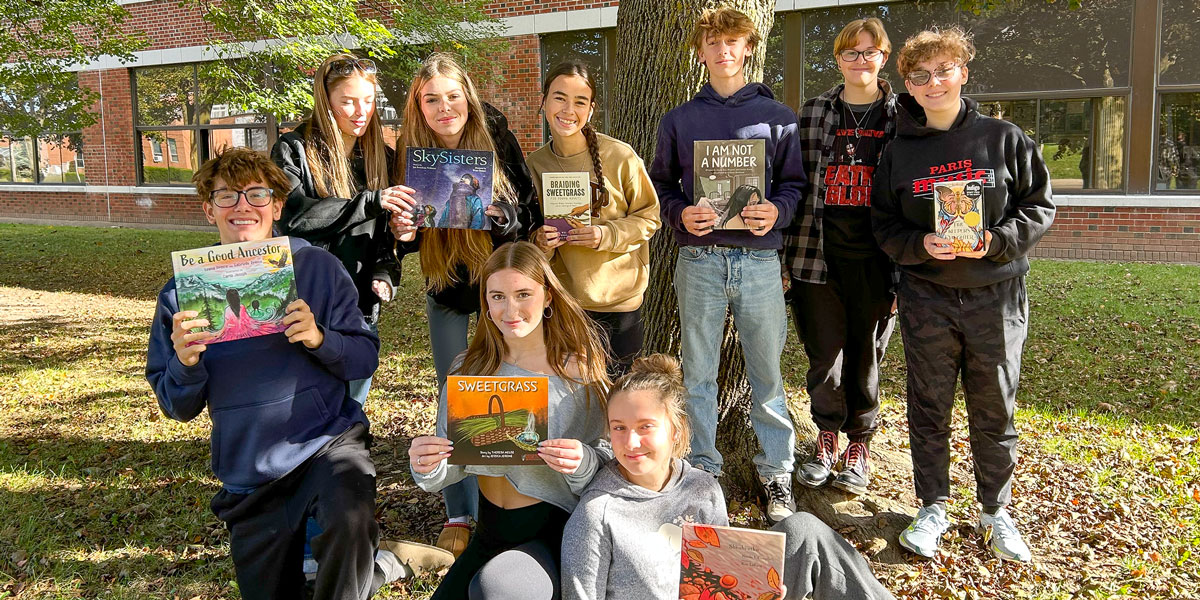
963,310
842,285
738,270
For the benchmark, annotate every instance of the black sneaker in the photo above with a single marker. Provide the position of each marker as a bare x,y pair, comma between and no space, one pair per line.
856,469
818,471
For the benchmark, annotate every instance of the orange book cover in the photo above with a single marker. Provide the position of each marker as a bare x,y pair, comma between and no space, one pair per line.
730,563
496,420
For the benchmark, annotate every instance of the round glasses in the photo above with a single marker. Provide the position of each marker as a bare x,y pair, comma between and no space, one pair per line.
255,196
852,55
923,77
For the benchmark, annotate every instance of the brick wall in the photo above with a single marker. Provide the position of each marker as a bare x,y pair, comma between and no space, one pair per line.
519,93
1124,233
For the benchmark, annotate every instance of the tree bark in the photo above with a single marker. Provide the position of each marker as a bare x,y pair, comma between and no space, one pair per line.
656,71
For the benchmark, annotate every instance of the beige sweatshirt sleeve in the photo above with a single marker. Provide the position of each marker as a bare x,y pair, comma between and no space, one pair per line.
628,233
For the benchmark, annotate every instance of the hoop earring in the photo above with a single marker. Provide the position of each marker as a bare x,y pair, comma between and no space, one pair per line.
548,312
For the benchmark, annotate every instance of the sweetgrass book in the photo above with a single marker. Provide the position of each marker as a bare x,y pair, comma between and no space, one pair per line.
958,213
567,200
496,420
242,289
731,563
729,176
453,187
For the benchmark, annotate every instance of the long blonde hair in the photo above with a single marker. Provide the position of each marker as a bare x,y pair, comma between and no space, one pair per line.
323,148
569,334
444,249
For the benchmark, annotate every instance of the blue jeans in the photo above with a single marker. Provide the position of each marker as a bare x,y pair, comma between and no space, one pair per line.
360,387
448,337
708,281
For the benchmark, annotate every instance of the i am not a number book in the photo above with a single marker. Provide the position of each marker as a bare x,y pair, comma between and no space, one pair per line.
453,187
567,200
242,289
729,176
958,213
496,420
731,563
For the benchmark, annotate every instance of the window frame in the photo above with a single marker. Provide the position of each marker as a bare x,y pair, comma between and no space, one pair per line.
35,156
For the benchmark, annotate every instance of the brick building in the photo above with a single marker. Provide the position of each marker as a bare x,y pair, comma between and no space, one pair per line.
1111,91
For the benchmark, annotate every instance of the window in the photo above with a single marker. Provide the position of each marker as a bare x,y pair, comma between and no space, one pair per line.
175,106
1179,39
16,160
594,48
60,159
1177,150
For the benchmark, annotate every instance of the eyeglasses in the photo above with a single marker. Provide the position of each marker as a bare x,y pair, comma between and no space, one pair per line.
852,55
347,66
922,77
255,196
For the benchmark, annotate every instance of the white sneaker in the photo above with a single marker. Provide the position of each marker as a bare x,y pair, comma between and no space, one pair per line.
780,504
924,534
1002,537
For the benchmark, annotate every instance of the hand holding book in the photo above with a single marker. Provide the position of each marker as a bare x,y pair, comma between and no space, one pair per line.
427,451
562,455
188,345
302,325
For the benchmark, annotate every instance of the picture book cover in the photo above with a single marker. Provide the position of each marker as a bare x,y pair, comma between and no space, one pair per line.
496,420
242,289
453,187
567,200
730,562
958,213
729,176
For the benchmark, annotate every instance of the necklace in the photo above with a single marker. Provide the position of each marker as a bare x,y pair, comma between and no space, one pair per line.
865,118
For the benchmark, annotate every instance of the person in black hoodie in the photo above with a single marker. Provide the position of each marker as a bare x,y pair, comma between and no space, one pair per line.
962,311
444,111
337,163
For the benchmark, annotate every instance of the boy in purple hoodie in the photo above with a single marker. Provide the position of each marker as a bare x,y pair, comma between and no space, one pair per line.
738,270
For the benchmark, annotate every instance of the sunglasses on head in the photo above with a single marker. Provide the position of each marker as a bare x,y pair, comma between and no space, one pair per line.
347,66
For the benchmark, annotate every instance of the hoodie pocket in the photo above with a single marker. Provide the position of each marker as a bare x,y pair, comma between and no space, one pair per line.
247,440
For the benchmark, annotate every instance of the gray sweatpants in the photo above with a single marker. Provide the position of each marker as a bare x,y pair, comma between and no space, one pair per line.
818,562
977,333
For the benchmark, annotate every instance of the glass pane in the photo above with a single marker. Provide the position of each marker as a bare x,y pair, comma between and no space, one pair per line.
60,159
1021,112
774,64
16,160
169,168
210,110
1177,156
165,95
1083,142
219,140
391,133
590,47
1179,42
1023,45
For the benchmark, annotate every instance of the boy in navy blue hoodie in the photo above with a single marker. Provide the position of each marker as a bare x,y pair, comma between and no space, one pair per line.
738,270
287,440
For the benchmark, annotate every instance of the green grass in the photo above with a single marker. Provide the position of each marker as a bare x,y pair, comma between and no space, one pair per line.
1066,167
169,175
104,497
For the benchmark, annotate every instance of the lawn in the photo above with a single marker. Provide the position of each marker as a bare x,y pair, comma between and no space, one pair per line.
104,497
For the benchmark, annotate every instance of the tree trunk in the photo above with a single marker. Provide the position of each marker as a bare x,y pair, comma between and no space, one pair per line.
657,71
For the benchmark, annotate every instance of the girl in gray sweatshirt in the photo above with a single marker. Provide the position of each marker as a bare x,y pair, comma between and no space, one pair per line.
622,540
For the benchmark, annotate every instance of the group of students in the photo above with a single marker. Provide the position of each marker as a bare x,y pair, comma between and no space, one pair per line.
848,202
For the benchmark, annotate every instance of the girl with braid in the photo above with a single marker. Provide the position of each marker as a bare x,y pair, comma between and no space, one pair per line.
605,265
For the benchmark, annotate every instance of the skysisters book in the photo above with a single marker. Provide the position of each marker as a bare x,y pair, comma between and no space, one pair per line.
730,563
729,176
496,420
242,289
567,200
453,187
958,213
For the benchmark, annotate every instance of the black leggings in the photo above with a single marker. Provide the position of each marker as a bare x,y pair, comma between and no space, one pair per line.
625,333
513,554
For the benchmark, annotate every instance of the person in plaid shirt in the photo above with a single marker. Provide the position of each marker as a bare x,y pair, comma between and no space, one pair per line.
841,284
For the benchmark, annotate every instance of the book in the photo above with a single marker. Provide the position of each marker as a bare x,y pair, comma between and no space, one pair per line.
242,289
453,187
730,562
729,176
958,213
567,200
496,420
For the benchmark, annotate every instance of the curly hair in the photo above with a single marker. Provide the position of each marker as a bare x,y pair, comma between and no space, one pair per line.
952,42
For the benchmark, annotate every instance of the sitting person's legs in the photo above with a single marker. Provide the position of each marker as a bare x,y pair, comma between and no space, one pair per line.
820,563
527,572
340,484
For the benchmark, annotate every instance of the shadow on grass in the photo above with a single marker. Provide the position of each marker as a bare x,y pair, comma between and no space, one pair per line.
51,342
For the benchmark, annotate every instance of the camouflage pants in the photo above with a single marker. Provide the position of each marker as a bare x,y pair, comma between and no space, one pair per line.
978,333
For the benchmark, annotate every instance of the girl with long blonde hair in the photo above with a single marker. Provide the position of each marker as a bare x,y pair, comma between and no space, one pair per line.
532,327
443,110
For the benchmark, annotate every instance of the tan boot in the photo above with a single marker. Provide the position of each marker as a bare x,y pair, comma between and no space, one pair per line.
419,558
454,538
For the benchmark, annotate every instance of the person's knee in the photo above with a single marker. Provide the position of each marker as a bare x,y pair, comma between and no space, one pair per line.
514,575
